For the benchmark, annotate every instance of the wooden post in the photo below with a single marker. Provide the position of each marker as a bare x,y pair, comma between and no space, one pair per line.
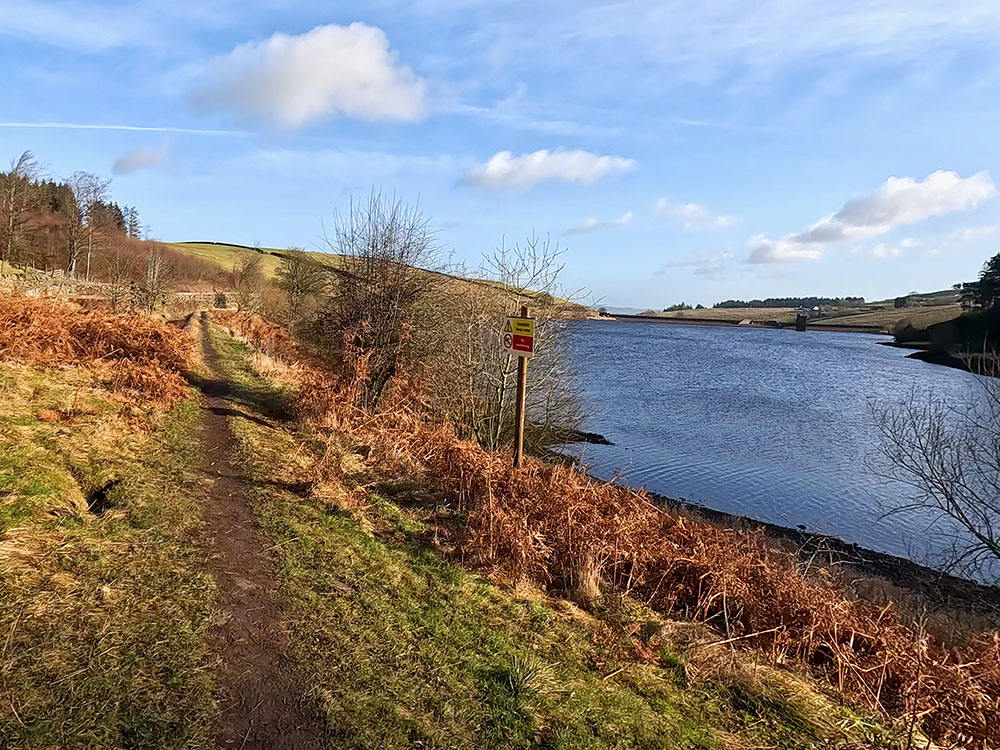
522,377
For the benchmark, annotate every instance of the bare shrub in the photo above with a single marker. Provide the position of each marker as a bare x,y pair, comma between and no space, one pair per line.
248,281
473,383
302,278
378,307
155,281
120,275
949,457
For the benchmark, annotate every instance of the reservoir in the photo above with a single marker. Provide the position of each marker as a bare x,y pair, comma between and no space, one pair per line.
774,425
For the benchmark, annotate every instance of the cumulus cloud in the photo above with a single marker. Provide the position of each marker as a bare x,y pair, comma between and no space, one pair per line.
594,225
898,202
293,81
692,215
504,170
142,157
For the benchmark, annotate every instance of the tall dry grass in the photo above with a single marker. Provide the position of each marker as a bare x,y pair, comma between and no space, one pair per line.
553,525
263,335
136,355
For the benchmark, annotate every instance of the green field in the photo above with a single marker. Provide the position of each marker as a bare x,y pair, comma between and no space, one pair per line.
225,255
735,314
918,317
886,317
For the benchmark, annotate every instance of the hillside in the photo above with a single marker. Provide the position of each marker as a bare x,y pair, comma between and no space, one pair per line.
224,256
920,311
735,314
888,318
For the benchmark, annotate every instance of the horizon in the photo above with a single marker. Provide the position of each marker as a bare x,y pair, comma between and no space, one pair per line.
681,154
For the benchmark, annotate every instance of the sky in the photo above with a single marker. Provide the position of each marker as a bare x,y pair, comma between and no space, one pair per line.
678,151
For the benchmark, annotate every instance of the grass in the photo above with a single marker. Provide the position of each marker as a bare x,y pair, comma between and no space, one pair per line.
225,255
888,318
735,314
101,616
918,317
405,648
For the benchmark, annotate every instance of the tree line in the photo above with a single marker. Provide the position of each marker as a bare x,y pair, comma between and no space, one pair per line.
793,302
73,229
52,224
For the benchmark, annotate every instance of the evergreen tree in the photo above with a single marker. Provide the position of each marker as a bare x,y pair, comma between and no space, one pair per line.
133,225
986,291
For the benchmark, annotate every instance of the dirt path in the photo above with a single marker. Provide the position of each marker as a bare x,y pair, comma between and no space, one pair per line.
260,701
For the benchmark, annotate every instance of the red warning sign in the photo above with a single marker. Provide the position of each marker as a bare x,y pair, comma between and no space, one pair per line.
519,337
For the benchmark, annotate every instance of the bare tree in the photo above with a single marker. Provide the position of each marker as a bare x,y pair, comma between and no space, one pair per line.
156,280
301,277
90,191
248,281
949,457
18,199
475,385
120,287
379,305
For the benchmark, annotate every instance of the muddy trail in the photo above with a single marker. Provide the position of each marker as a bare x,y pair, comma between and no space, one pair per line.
261,703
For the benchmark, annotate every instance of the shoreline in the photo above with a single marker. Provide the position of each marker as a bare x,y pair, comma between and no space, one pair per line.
939,587
943,590
767,325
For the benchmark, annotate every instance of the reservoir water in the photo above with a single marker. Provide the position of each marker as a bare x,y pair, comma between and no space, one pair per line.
774,425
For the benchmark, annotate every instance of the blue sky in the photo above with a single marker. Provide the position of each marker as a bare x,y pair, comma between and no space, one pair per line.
679,150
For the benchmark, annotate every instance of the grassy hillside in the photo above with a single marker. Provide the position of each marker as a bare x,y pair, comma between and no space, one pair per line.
889,318
224,255
735,314
878,314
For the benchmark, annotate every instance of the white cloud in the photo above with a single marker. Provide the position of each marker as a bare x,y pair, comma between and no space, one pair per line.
504,170
781,251
898,202
692,215
294,81
709,41
126,128
703,264
73,26
95,26
349,163
886,250
972,234
593,225
142,157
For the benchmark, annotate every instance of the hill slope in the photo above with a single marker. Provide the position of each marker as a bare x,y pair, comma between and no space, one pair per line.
225,254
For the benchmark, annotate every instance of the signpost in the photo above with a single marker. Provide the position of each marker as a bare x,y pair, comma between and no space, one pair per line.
519,341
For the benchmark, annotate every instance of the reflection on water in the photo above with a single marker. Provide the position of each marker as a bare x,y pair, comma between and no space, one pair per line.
774,425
